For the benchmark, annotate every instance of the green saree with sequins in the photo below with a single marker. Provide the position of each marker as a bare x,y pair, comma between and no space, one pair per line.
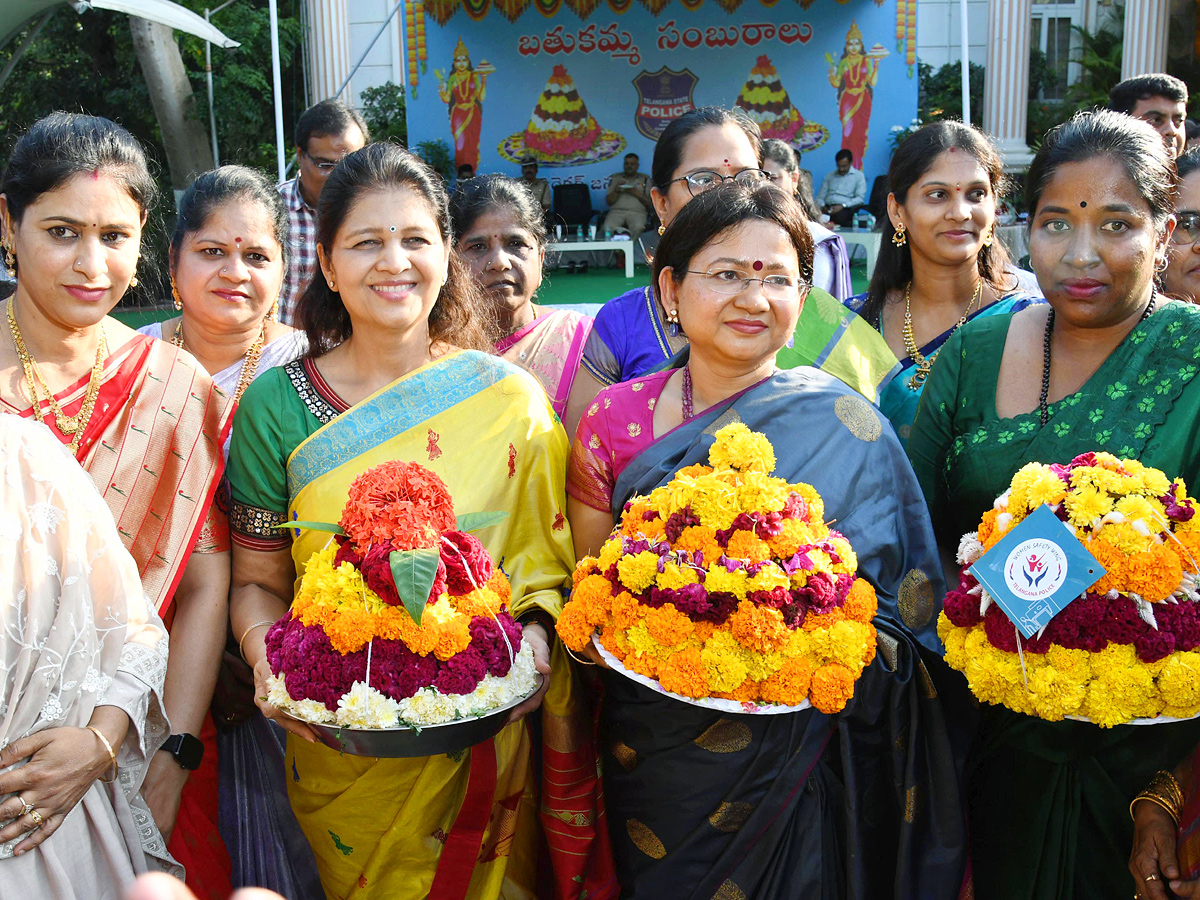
1068,783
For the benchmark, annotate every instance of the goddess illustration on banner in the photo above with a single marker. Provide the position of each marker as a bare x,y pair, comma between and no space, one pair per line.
463,93
854,76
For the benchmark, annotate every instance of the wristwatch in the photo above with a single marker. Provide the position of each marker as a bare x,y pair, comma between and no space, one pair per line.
187,750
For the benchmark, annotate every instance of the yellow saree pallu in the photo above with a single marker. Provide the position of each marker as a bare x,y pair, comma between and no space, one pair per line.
380,827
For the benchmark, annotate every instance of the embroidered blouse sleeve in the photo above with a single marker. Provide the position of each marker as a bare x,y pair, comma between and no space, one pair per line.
257,468
590,477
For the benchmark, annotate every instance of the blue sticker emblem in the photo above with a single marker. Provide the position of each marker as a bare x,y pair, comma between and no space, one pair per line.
1037,569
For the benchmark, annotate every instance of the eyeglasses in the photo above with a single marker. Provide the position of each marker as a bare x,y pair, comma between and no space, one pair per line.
699,182
324,166
1187,228
731,282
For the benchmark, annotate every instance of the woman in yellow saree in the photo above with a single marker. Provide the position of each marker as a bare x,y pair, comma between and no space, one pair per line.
388,318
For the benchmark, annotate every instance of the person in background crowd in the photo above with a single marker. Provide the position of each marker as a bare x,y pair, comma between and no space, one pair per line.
1181,279
1106,365
538,187
500,236
816,803
1159,99
628,199
1191,129
392,324
325,133
77,618
940,264
144,419
843,191
831,262
228,255
465,172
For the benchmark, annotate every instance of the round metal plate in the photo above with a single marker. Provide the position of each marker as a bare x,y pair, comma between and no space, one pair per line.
432,740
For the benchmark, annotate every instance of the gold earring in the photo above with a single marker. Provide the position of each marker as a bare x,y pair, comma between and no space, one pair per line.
673,316
10,260
661,229
900,238
989,237
175,294
274,310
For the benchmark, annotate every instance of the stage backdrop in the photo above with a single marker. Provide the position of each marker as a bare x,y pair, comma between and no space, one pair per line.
580,84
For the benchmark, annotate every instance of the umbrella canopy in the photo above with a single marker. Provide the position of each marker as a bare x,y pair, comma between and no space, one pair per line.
16,14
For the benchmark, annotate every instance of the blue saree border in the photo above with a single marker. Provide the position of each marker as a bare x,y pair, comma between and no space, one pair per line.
402,405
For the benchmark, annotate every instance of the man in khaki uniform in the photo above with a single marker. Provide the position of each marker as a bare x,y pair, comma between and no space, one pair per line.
628,199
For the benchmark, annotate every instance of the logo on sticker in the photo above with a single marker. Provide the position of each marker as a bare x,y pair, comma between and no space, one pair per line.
1035,569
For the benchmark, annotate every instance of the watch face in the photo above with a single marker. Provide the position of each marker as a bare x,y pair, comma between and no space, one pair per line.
190,752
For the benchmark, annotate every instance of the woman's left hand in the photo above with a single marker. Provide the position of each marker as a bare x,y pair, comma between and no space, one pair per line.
63,764
536,635
1152,862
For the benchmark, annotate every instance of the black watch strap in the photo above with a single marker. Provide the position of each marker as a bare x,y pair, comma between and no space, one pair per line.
187,750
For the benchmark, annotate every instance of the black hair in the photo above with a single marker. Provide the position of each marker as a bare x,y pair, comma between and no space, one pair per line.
457,317
1125,96
465,167
227,184
722,208
843,154
634,155
1103,133
1187,163
913,158
668,152
780,152
326,118
1191,129
486,192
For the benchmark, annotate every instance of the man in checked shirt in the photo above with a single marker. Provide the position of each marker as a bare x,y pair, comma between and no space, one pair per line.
324,134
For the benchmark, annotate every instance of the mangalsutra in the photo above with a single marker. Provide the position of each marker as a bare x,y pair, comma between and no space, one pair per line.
925,363
687,394
249,362
71,425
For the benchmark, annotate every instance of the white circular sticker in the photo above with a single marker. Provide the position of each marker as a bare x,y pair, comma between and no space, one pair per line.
1035,569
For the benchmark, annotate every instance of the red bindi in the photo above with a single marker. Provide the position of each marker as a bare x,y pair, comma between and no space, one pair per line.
95,174
758,265
237,240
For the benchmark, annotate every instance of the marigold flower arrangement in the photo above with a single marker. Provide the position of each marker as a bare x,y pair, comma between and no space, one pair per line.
1127,648
352,651
725,583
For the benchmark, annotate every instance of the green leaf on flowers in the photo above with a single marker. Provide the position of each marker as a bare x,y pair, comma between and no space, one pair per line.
477,520
331,527
414,572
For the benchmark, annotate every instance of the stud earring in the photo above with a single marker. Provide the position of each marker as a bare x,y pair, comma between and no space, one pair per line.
175,294
900,238
989,237
10,260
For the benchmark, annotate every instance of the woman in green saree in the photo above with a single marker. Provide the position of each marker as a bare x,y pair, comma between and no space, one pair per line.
1107,365
388,377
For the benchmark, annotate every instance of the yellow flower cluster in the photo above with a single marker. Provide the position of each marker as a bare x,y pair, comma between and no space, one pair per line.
1109,687
337,600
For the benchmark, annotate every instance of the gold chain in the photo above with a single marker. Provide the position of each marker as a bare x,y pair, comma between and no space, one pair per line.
72,425
249,363
924,364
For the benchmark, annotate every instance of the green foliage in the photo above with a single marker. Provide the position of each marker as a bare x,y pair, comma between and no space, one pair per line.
414,572
384,109
437,154
940,92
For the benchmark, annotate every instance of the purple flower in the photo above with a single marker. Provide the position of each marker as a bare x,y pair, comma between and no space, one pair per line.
461,673
1176,511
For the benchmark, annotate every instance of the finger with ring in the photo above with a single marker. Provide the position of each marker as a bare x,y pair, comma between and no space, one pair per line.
26,806
38,818
1152,877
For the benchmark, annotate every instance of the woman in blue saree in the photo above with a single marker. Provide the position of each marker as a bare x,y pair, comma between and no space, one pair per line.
940,264
860,804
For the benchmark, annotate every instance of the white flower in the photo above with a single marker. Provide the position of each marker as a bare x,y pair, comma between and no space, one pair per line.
52,709
969,549
365,707
95,681
45,517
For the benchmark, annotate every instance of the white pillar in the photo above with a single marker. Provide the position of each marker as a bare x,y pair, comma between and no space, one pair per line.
1145,39
1006,79
329,48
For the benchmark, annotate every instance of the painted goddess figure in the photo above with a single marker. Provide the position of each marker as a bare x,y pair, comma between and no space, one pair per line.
463,93
854,76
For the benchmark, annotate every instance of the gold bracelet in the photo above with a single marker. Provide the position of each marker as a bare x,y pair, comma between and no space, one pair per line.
112,755
1157,801
1165,784
246,634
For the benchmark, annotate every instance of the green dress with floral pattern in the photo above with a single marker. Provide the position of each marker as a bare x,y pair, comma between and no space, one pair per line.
1064,785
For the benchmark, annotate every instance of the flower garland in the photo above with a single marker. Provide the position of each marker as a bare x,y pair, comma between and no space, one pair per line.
726,583
463,656
1129,647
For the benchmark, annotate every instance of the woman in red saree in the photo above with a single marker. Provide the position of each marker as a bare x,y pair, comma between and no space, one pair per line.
463,92
854,76
143,418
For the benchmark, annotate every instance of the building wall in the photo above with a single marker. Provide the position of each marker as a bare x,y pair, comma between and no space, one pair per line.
938,38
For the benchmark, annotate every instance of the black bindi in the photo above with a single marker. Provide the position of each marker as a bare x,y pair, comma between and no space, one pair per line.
1083,204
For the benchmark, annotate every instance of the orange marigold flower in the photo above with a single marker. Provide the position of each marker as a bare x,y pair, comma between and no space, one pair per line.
987,525
626,611
702,538
483,602
747,691
594,595
1187,547
584,568
643,664
694,471
420,639
684,674
499,583
388,623
573,627
397,502
832,687
814,620
790,683
613,643
350,630
704,630
668,626
655,529
758,628
1154,574
453,636
747,545
861,603
1114,562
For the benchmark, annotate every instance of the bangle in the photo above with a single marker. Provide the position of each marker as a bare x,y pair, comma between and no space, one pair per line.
1157,801
1163,790
246,633
112,755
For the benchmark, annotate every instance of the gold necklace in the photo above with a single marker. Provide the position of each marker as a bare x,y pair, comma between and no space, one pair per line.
924,364
249,362
72,425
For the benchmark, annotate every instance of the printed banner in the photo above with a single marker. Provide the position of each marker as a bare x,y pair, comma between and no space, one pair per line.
578,86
